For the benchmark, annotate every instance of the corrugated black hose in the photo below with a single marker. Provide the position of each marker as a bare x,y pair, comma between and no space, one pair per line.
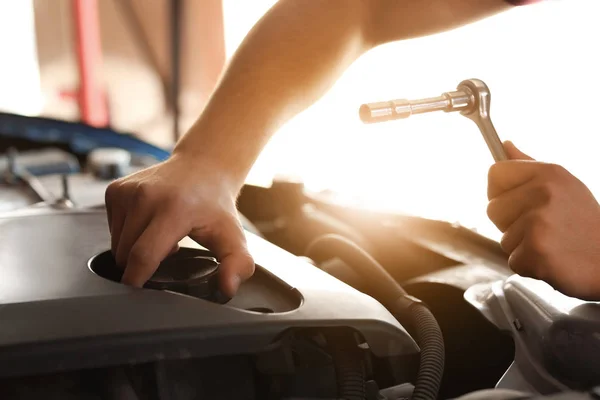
430,340
349,365
394,297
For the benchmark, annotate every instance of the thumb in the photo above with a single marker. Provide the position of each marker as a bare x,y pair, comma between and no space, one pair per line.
228,243
514,153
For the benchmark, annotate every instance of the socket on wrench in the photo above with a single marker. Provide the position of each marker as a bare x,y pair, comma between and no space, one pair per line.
471,98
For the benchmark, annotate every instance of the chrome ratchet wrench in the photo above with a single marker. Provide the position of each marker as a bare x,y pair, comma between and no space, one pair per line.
472,98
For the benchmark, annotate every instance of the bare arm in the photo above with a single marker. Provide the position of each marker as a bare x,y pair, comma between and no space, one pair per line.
295,53
288,60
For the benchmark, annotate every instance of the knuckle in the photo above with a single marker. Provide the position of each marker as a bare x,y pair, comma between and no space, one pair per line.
143,193
537,222
497,214
554,173
205,232
247,265
492,210
546,191
555,170
177,202
539,268
536,244
515,263
504,243
538,265
112,191
493,173
536,237
521,265
222,222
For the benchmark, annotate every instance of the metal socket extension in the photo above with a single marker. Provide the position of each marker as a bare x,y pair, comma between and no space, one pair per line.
471,98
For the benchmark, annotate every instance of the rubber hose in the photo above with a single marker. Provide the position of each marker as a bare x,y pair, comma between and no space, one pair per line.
429,335
431,342
332,245
349,368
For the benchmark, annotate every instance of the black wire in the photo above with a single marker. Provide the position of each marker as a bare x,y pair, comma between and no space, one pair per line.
384,286
349,365
176,35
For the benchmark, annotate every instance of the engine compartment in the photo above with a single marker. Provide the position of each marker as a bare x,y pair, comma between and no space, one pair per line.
73,331
66,317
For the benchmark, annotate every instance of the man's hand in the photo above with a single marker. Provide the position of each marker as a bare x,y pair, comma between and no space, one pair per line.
262,88
150,211
550,221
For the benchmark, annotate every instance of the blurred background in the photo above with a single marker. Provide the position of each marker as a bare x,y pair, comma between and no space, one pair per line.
540,63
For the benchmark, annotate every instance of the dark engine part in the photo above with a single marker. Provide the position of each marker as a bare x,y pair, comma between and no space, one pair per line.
273,337
303,365
186,379
437,262
65,322
74,331
389,292
193,272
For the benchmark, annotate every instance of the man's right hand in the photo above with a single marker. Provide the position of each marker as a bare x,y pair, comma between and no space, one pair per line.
150,211
550,221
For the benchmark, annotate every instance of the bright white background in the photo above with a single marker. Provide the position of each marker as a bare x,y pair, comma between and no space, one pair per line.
19,74
541,63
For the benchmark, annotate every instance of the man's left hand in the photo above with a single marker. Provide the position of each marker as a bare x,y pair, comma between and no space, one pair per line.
550,221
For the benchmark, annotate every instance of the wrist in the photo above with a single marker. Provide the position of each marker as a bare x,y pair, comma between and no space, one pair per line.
227,145
213,164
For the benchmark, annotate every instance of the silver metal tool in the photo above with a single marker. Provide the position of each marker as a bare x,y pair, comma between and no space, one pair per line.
472,98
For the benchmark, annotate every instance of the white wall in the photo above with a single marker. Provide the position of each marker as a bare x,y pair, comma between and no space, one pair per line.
19,76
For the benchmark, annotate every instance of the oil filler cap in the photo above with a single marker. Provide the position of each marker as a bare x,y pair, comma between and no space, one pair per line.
189,273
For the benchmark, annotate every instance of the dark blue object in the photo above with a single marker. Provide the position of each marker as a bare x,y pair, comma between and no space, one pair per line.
79,137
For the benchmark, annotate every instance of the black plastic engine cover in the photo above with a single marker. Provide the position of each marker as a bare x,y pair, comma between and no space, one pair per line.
57,314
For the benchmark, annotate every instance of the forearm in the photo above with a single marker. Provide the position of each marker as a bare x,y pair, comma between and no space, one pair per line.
285,63
292,56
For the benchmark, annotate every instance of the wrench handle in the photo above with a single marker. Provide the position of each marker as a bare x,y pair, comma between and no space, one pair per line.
491,138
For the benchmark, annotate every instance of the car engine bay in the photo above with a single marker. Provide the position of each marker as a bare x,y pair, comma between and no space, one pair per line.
344,304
